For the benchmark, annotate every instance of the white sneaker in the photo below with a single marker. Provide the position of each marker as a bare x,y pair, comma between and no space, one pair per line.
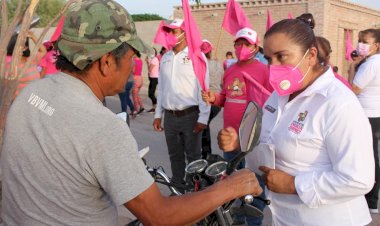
374,211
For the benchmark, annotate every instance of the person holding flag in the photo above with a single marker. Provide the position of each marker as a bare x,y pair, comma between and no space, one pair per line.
179,98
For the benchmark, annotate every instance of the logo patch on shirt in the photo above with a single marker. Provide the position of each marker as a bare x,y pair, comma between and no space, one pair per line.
297,126
236,88
270,108
186,60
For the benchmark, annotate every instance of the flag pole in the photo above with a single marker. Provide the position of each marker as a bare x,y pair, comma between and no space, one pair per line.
217,44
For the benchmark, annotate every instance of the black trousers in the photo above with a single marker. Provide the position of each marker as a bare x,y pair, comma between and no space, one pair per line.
206,137
152,89
373,196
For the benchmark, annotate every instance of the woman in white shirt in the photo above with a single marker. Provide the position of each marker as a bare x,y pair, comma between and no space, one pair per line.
366,85
319,133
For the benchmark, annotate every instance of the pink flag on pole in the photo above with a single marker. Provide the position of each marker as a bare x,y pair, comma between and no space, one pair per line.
194,42
160,37
256,91
234,18
269,20
58,30
290,16
349,47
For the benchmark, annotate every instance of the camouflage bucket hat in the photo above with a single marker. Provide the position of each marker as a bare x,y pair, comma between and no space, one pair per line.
94,28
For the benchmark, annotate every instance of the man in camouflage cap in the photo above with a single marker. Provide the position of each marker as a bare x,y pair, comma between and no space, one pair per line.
93,28
68,160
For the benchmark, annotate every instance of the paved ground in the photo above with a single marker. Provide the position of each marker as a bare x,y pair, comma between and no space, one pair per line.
142,129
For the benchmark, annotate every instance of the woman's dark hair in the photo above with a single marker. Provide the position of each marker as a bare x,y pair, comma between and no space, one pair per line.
64,64
12,44
297,30
374,32
229,53
324,50
155,51
208,55
163,50
138,54
308,19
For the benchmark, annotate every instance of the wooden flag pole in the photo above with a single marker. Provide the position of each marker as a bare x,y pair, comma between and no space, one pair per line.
217,44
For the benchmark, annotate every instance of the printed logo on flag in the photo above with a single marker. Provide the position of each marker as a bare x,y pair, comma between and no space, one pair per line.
297,126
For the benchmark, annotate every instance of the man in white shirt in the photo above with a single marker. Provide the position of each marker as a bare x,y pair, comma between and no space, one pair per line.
179,97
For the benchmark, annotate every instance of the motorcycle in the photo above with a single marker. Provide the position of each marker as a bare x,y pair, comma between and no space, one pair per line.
204,172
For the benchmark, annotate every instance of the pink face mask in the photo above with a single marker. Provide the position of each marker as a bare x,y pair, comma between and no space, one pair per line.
172,40
243,53
363,49
286,79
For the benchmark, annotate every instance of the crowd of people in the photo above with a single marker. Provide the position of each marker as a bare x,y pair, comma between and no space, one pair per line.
67,168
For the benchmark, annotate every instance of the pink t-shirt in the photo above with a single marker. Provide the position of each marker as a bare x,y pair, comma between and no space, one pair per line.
138,66
154,65
48,62
237,90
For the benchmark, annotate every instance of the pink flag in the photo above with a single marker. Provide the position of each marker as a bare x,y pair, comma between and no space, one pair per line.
58,30
256,91
194,42
349,47
269,20
160,37
234,18
290,16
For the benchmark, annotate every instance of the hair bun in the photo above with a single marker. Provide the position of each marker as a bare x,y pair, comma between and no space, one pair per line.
308,19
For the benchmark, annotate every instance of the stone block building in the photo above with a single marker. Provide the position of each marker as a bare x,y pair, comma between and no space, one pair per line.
334,18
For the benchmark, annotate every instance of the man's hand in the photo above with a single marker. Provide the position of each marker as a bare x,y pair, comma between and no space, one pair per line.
208,96
278,181
228,139
199,127
157,125
243,182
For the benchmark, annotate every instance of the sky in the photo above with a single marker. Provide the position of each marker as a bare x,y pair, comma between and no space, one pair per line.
164,8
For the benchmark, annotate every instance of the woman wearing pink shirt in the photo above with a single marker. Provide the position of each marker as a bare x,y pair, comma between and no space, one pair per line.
153,67
137,71
242,82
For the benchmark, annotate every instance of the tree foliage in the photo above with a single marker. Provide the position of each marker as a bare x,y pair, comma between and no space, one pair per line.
146,17
197,1
46,10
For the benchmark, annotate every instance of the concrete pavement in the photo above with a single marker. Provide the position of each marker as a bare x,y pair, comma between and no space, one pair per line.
142,129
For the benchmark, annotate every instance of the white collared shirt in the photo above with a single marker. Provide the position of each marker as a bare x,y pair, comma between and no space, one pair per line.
178,86
323,138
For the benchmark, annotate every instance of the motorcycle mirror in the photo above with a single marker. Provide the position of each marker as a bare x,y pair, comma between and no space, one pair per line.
249,133
33,23
250,127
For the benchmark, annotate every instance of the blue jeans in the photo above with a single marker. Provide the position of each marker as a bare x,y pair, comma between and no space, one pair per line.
125,97
251,221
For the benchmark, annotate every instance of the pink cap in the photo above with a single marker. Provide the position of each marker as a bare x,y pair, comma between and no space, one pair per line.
206,46
173,24
248,34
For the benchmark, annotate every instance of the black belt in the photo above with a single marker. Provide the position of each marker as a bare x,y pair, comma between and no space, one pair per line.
180,113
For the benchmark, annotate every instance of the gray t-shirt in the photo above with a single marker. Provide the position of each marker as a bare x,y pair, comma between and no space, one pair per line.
67,160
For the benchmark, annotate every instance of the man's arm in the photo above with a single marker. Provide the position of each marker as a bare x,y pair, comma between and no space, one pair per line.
151,208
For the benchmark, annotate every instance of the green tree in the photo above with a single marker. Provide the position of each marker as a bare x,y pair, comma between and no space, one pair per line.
146,17
46,10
